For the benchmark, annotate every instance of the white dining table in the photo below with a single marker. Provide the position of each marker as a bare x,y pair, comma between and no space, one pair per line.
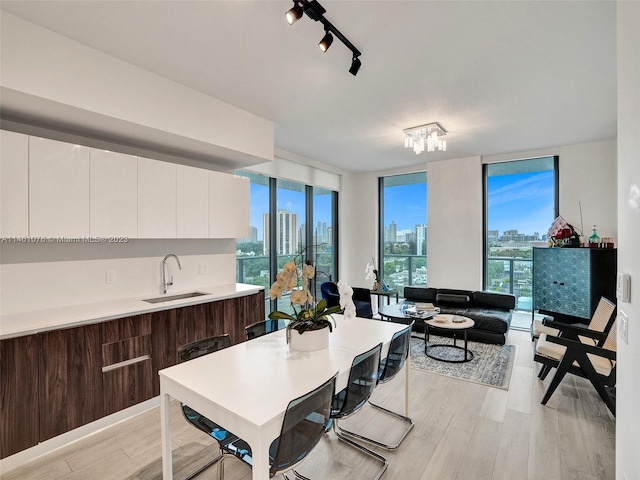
246,388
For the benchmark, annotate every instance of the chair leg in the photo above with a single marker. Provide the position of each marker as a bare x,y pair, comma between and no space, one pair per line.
363,449
392,446
544,371
204,467
561,371
594,378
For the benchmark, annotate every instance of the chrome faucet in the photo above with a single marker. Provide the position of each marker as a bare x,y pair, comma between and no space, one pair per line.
165,284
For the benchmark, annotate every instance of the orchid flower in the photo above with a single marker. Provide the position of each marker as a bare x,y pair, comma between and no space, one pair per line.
346,300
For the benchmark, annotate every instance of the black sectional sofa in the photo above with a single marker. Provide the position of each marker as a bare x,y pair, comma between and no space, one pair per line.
491,312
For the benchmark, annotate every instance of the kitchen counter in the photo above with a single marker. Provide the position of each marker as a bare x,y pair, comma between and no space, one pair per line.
27,323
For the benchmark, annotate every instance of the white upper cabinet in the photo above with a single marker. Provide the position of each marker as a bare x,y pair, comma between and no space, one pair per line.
114,194
58,189
228,206
156,199
14,184
193,202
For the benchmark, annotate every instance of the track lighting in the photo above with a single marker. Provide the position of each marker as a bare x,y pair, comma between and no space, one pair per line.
355,66
295,14
316,12
326,41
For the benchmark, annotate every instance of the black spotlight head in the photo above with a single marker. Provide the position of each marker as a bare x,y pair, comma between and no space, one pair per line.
326,42
355,66
294,14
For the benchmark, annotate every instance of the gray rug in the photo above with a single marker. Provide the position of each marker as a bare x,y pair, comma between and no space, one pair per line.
492,364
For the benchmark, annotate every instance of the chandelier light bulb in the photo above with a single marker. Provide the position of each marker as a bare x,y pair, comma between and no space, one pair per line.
427,137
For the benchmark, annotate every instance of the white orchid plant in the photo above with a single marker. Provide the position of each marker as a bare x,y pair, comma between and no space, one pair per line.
308,316
371,272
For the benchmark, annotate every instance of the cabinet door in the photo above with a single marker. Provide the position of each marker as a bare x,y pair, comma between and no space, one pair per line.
114,194
58,189
70,371
192,323
19,415
163,343
156,199
14,184
229,198
193,202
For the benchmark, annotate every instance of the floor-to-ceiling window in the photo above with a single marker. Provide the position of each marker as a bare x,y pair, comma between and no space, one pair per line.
286,218
403,230
521,202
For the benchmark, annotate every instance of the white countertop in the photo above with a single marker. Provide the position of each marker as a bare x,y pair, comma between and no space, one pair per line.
27,323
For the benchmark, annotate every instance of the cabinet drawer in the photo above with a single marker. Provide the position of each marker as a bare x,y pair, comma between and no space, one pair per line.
127,385
126,350
128,327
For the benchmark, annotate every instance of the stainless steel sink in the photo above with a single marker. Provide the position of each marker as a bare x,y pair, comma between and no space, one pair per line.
168,298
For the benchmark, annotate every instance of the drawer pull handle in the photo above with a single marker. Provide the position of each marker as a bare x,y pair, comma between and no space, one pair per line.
125,363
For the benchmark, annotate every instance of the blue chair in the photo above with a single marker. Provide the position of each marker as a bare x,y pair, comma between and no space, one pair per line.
389,368
361,298
218,433
363,379
302,428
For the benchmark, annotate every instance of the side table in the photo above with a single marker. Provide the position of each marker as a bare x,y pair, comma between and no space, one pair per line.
446,322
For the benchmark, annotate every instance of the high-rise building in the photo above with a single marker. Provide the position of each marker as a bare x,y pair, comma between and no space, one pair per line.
253,236
421,239
393,232
286,233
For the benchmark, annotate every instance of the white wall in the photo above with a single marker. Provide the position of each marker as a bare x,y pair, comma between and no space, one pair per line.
628,388
42,276
588,174
47,74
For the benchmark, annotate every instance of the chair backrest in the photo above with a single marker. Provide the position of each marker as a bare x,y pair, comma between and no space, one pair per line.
330,293
302,427
602,315
262,328
362,301
202,347
398,353
611,342
363,378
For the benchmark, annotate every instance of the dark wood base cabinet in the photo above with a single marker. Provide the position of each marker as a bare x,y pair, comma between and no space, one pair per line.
56,381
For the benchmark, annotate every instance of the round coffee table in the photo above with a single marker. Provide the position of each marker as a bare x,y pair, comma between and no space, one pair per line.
398,313
452,324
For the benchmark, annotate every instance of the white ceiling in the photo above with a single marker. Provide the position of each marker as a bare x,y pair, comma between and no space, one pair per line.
500,76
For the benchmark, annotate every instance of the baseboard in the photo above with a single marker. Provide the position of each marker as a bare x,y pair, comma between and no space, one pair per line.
21,458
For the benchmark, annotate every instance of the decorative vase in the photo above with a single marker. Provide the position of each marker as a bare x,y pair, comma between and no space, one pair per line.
376,286
309,341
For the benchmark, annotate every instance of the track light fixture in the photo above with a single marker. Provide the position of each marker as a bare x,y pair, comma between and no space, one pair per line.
316,12
326,41
355,66
295,14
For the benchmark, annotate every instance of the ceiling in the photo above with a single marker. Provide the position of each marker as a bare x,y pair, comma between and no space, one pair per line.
500,76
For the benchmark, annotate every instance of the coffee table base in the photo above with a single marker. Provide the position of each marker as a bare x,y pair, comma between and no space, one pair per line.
468,355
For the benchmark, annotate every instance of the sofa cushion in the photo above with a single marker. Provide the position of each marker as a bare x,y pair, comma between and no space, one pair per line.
452,299
420,294
491,320
494,300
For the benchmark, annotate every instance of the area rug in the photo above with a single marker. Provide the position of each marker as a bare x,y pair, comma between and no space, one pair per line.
491,365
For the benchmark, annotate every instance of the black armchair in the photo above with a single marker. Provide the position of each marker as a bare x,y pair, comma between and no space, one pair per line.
361,298
585,359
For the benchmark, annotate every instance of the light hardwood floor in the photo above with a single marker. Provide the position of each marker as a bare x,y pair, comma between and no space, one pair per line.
463,431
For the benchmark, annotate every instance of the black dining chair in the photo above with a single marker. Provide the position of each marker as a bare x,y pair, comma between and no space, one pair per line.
218,433
258,329
363,378
389,368
302,428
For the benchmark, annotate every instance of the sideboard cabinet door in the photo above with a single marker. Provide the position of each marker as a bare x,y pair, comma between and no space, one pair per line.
570,281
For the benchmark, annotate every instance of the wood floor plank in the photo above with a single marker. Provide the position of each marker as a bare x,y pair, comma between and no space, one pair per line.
511,462
520,389
448,455
479,458
494,406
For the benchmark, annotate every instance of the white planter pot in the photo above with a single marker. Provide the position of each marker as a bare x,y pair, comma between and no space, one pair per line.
309,341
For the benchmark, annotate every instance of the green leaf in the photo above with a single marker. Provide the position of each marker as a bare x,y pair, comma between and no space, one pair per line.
278,315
